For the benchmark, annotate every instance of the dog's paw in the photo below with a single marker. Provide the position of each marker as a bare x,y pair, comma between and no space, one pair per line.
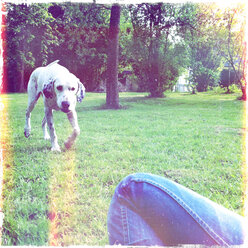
68,145
47,137
56,149
26,133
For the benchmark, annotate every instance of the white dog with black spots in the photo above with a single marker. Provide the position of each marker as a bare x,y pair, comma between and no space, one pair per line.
61,90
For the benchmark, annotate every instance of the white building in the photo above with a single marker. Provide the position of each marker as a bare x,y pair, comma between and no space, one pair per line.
182,84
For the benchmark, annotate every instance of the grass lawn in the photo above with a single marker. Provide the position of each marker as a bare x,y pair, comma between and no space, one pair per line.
62,199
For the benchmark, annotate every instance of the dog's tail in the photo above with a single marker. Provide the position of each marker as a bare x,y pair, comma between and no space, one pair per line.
54,62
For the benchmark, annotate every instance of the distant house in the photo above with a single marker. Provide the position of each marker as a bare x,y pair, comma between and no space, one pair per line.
182,84
228,64
124,83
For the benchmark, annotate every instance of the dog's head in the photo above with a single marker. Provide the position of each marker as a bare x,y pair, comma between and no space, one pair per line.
67,90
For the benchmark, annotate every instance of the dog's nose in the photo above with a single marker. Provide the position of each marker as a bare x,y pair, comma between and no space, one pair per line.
65,104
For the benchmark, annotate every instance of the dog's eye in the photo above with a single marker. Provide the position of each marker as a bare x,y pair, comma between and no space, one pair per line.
72,89
60,88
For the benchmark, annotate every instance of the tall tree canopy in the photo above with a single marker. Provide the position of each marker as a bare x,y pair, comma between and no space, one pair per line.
155,29
27,40
235,44
203,46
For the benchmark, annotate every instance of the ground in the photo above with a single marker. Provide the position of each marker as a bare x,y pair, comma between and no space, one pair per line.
63,198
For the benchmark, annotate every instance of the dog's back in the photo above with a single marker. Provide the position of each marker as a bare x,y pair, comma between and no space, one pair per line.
56,70
54,62
33,85
33,81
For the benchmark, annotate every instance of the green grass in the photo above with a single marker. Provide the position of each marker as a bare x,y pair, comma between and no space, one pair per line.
63,199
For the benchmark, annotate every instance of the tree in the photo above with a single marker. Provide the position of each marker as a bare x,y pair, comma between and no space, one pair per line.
38,34
112,94
204,46
155,33
235,53
26,40
83,41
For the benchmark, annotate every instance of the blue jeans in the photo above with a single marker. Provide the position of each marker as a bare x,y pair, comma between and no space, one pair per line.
151,210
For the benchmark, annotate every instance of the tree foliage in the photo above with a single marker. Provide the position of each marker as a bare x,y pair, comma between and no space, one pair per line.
83,31
155,28
27,40
235,52
157,43
203,45
77,37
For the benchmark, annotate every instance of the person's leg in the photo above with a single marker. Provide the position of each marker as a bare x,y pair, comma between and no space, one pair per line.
151,210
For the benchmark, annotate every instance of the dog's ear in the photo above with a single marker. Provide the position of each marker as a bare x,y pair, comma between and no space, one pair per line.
80,92
48,89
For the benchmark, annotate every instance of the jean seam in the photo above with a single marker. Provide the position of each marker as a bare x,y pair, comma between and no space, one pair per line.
124,220
138,241
126,234
194,215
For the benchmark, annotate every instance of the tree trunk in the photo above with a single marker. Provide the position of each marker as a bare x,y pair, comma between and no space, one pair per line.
22,81
243,89
155,90
156,86
112,93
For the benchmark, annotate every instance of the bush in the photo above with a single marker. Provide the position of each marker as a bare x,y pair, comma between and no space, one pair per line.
234,88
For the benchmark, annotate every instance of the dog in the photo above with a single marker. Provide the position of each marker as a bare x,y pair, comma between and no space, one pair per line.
61,90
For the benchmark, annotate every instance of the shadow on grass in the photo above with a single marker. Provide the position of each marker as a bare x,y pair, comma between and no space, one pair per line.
123,102
105,107
38,147
100,108
180,99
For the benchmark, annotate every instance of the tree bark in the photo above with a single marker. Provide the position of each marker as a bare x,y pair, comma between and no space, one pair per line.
112,92
243,89
22,81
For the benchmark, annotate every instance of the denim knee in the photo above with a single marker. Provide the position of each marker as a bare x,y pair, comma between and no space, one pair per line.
164,211
125,225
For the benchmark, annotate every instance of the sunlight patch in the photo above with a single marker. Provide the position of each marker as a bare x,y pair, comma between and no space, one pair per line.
62,199
245,163
2,122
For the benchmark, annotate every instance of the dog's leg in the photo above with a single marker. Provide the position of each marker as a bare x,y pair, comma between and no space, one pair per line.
72,117
33,96
32,100
49,119
44,127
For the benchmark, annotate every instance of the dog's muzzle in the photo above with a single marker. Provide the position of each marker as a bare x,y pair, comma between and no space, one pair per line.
65,105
